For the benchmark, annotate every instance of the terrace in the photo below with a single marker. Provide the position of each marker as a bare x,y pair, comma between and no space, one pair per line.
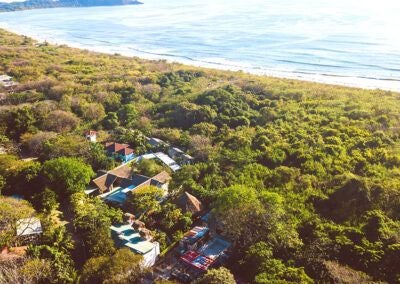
197,260
215,248
125,236
115,185
119,194
195,234
207,255
172,164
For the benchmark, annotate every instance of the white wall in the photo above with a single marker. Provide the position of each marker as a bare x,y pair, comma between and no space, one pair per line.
151,256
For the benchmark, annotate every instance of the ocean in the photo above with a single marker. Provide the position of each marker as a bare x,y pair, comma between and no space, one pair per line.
346,42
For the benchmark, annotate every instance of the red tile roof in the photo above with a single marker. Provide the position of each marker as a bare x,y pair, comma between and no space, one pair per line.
125,151
197,260
91,133
113,147
105,181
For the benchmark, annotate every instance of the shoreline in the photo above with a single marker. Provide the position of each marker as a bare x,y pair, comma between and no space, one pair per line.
17,6
223,65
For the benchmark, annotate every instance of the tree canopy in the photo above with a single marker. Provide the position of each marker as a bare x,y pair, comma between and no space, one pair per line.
67,175
122,267
11,211
217,276
302,178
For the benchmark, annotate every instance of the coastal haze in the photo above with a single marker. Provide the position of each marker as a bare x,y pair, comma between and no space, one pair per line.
341,42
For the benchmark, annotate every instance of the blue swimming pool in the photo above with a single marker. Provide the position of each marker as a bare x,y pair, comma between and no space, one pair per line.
119,195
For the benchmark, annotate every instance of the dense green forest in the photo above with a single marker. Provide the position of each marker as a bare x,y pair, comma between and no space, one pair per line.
303,177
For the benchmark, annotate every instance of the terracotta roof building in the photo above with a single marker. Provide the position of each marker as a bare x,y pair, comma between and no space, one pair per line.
91,136
120,151
125,151
114,185
112,147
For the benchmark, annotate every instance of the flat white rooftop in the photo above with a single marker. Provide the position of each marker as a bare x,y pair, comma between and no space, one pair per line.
29,226
168,161
133,239
163,158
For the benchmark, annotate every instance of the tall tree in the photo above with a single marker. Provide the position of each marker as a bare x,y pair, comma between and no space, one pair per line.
145,199
12,210
217,276
20,121
122,267
67,175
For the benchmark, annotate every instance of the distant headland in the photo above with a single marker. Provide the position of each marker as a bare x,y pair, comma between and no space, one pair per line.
41,4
